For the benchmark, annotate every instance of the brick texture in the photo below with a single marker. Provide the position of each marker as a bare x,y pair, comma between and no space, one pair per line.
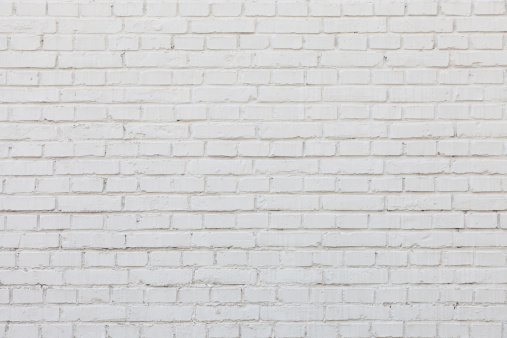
308,168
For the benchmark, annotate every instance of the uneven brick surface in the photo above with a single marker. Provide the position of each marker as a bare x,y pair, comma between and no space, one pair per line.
253,169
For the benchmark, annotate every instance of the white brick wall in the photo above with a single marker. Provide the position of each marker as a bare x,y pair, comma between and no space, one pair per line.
301,168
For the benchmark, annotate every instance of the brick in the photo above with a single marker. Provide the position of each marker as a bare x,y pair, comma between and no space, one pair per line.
353,240
352,203
223,26
421,25
194,169
346,25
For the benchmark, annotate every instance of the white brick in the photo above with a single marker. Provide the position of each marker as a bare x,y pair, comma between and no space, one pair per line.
346,25
95,9
204,168
62,9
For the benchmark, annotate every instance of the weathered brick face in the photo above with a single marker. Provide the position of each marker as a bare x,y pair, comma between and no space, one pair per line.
299,168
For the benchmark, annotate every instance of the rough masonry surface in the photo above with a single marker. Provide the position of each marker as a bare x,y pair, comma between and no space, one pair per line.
253,169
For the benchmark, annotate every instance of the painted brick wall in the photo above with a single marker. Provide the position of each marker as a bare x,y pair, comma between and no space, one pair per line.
254,169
